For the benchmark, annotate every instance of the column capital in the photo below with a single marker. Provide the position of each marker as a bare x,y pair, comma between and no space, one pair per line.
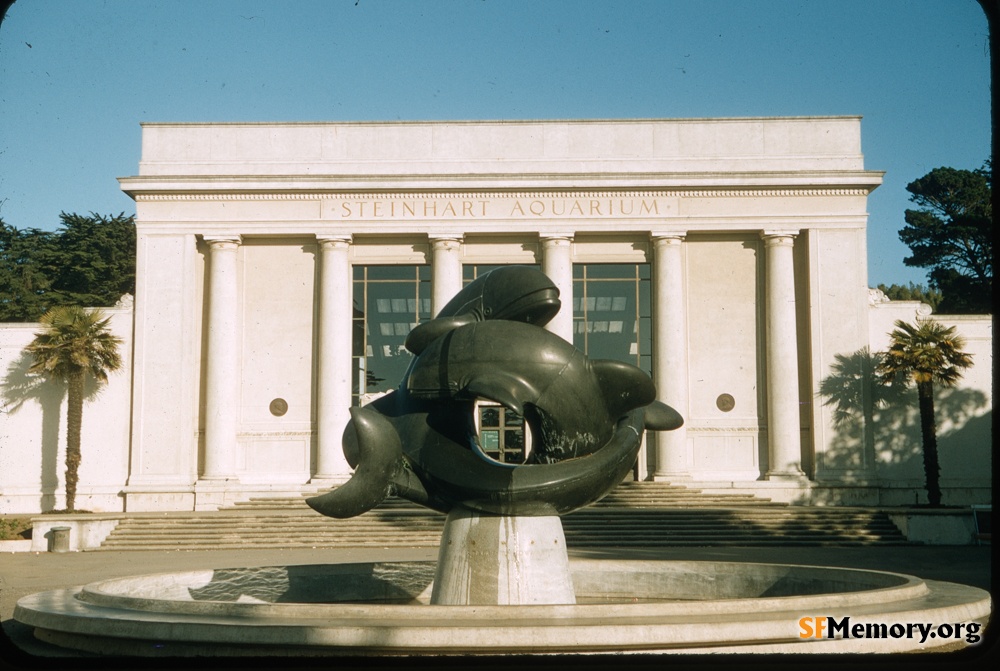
222,241
776,237
667,236
556,237
334,241
445,240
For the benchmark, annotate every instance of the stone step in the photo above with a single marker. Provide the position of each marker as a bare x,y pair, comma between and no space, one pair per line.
404,527
629,518
631,494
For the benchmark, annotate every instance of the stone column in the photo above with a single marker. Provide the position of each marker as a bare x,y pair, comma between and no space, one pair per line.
446,270
783,432
670,351
222,368
333,386
557,264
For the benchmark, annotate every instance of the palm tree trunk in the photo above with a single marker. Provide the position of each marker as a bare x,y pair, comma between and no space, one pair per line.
928,431
74,425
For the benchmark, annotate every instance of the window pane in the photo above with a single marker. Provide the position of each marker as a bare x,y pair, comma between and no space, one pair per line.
489,441
386,302
489,417
382,273
475,271
612,290
610,270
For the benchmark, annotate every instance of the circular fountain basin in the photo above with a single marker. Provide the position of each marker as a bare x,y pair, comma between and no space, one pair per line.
383,608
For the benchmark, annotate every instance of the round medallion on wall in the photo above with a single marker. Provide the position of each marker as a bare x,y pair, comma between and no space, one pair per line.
278,407
725,402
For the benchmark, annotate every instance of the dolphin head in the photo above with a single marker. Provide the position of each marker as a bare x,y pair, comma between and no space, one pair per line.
516,293
512,293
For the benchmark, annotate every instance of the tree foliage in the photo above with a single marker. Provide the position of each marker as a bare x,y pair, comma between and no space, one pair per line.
24,272
929,354
912,292
89,261
75,344
952,236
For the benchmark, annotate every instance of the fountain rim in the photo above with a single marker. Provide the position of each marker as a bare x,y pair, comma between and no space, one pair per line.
899,587
725,625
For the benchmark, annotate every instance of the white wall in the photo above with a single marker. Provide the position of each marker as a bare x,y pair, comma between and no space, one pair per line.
725,333
277,352
33,429
963,413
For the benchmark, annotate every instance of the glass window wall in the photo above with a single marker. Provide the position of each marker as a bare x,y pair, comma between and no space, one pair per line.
611,312
388,302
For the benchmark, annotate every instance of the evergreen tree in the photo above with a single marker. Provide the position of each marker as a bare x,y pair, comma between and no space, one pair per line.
88,261
912,292
952,235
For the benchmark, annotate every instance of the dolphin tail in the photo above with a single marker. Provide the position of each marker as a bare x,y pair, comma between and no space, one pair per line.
625,387
659,416
379,456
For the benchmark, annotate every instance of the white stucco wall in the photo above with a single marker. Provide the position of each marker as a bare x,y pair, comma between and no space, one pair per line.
33,429
725,333
963,413
277,355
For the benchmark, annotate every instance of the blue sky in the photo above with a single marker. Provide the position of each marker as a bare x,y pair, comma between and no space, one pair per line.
78,76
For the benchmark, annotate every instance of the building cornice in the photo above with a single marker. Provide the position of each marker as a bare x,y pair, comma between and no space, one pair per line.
297,187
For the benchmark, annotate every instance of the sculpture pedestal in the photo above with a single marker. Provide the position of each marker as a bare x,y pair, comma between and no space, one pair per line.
502,560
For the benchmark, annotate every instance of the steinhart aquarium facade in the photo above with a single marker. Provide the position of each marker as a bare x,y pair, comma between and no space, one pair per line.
281,266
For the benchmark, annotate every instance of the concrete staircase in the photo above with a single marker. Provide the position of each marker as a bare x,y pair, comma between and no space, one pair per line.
633,515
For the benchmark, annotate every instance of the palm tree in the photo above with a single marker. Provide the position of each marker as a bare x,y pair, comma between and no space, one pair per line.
76,343
928,354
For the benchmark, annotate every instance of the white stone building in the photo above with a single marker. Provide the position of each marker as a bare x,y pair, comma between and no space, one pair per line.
280,266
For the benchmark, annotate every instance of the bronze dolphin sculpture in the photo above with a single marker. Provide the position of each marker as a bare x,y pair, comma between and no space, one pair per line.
420,443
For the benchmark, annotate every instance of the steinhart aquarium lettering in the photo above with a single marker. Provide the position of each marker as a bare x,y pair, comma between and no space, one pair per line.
598,206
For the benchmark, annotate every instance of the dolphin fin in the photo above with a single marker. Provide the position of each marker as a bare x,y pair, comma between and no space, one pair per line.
508,390
379,455
659,416
625,386
424,334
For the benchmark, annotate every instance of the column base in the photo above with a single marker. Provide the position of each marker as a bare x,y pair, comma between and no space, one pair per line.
671,477
329,480
787,476
214,493
502,560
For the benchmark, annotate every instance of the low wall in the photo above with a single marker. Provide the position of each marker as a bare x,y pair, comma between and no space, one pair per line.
33,428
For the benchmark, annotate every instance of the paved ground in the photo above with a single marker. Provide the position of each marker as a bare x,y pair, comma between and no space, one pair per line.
26,573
